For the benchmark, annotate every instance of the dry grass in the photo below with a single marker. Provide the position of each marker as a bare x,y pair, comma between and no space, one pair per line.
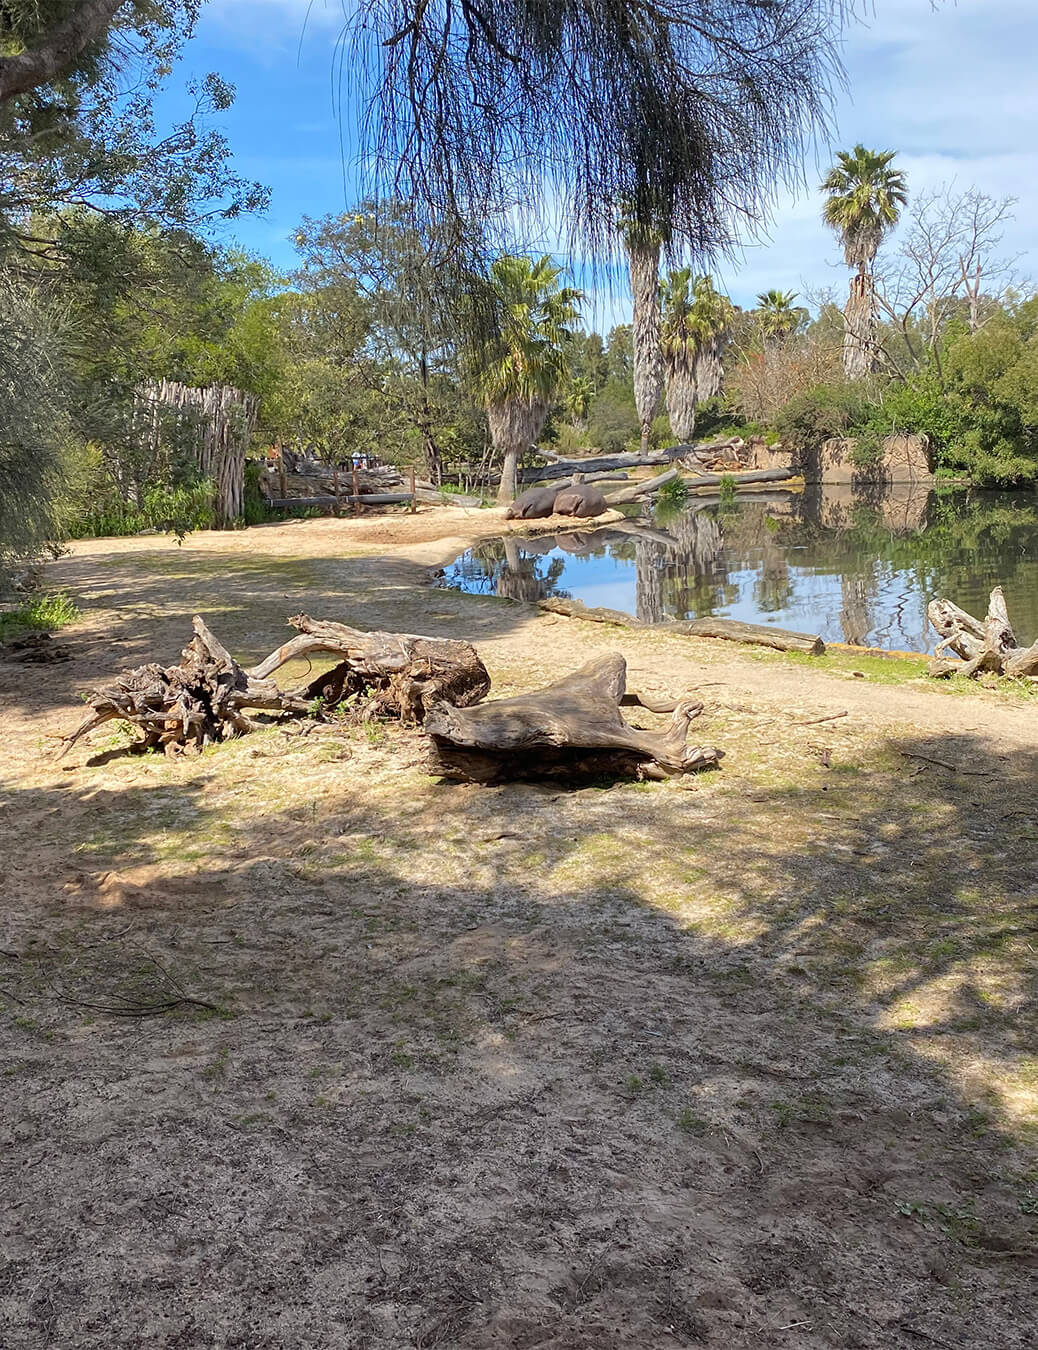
750,1064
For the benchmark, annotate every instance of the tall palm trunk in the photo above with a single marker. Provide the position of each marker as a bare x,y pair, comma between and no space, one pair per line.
644,261
709,372
859,331
682,397
514,426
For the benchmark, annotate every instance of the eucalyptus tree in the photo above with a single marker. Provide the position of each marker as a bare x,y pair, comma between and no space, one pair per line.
696,318
777,316
864,197
520,353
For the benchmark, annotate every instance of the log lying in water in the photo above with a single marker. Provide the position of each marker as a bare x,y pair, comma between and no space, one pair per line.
572,728
979,645
206,697
646,489
760,634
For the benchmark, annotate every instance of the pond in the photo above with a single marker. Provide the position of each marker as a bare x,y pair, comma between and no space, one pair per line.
854,567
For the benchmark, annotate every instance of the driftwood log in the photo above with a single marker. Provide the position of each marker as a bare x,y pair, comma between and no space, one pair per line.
733,630
207,696
979,645
572,728
759,634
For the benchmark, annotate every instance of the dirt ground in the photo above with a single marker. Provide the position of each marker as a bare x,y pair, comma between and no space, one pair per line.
743,1061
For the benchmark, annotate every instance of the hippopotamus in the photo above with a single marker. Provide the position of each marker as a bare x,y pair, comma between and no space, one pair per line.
580,499
533,504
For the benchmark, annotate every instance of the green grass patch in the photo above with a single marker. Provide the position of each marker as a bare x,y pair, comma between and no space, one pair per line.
41,613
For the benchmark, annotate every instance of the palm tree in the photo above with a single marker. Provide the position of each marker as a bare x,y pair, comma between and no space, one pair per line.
695,320
523,362
865,197
578,400
643,243
778,317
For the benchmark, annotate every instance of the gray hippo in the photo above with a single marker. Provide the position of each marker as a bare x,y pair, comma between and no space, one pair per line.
580,499
533,504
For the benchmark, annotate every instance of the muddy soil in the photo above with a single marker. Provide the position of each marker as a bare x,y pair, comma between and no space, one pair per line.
304,1048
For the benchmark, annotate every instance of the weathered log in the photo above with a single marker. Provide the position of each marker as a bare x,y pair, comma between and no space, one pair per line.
990,645
566,468
572,728
737,479
576,609
205,697
398,673
734,630
200,700
761,635
646,489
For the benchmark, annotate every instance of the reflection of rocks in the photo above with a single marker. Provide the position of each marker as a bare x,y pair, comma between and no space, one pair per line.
905,459
899,507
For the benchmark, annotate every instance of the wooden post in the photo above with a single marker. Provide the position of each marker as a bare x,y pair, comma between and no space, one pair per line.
356,488
281,472
414,499
335,487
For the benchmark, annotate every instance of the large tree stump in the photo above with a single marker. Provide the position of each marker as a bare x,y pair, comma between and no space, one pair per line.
204,698
573,728
200,700
979,645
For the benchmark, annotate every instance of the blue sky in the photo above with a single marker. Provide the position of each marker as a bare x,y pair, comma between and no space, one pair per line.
952,89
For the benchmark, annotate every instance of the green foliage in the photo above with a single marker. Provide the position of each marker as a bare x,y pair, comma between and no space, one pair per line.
34,401
672,496
162,509
613,421
864,200
41,613
827,410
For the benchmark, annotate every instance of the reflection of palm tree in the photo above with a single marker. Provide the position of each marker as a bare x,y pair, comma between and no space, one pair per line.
855,620
648,582
519,579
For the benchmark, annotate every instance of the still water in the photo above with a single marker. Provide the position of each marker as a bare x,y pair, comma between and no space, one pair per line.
853,567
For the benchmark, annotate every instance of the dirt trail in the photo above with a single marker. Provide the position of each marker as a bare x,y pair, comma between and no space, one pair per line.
303,1048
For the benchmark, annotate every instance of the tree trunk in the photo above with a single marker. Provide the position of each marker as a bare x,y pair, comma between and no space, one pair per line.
573,728
682,397
644,262
514,427
859,337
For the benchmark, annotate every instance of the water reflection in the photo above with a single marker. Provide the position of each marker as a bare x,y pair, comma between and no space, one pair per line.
854,566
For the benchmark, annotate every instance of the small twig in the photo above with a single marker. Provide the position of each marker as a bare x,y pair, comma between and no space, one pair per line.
760,1161
943,763
830,717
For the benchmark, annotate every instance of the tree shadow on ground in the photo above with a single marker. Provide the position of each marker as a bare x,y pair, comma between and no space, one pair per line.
519,1066
137,608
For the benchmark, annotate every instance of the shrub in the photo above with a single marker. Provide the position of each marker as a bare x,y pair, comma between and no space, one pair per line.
42,613
817,414
614,420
